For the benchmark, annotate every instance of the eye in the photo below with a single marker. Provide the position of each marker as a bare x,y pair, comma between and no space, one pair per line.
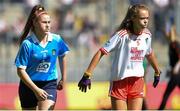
144,18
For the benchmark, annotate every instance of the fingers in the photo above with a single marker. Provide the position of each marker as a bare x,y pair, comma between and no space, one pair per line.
83,85
155,83
79,84
43,96
89,86
83,88
60,87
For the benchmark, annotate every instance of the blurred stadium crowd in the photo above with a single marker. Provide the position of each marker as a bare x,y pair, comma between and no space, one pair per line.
85,25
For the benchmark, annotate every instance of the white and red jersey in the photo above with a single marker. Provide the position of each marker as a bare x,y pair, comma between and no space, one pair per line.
130,51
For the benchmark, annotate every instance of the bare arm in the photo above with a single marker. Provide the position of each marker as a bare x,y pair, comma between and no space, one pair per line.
153,61
40,94
62,63
95,60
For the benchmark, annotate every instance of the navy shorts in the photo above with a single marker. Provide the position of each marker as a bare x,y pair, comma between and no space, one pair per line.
28,98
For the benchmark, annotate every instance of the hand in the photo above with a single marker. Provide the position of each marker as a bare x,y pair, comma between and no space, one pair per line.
84,83
41,94
60,85
156,79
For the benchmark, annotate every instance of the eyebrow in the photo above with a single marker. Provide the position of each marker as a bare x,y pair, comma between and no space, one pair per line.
144,17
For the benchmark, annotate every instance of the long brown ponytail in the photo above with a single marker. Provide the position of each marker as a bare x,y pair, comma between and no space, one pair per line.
29,24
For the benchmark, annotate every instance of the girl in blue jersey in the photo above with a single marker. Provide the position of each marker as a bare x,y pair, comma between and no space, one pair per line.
36,62
131,43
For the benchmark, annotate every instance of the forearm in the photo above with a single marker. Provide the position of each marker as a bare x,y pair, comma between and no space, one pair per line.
26,79
153,61
63,67
95,60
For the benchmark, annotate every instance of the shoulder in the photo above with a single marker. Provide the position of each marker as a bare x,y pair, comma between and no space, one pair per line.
122,32
147,32
56,37
28,41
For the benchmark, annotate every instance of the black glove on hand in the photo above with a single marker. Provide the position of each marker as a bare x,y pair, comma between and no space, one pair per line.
156,79
84,83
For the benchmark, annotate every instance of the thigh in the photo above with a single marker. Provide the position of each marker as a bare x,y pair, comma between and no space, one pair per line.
136,87
118,89
51,88
118,104
27,97
46,105
135,104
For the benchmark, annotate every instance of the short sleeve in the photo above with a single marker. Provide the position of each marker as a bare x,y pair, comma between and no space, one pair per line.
111,44
149,47
21,60
64,49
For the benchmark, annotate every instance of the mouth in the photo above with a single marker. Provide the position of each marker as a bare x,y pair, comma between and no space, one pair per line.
145,25
47,30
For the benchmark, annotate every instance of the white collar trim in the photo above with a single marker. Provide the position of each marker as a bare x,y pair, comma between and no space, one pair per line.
34,38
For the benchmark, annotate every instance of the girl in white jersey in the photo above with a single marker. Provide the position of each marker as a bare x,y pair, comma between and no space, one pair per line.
130,43
36,62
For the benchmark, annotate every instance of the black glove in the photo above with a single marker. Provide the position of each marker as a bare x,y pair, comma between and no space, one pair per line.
156,79
84,83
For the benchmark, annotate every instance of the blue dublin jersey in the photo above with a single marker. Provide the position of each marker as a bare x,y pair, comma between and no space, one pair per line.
39,60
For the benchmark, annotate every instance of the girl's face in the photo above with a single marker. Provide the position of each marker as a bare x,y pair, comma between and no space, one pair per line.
42,24
141,21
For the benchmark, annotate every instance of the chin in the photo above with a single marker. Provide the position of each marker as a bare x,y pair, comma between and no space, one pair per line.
47,32
144,27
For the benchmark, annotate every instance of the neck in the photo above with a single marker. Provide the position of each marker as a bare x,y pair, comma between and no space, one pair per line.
42,37
138,31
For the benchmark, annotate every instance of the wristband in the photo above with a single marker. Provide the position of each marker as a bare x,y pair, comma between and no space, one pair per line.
87,74
157,74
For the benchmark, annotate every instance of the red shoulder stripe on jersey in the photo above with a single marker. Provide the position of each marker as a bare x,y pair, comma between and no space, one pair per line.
103,51
122,33
147,33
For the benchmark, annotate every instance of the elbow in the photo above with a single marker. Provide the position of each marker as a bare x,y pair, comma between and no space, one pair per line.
20,71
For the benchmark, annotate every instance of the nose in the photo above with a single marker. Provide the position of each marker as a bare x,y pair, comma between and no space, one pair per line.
47,25
145,21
